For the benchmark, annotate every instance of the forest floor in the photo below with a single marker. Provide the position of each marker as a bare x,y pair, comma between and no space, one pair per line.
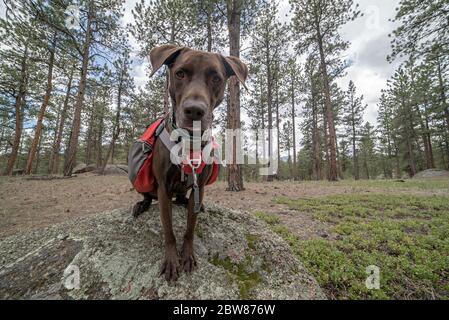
336,229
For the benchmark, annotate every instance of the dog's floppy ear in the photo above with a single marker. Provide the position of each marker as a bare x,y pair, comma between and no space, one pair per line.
165,54
235,67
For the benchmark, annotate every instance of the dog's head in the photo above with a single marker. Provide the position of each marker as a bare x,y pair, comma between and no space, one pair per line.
197,81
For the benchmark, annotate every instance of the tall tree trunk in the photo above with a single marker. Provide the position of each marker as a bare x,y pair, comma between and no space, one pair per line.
354,147
99,137
316,143
55,136
326,139
295,169
167,80
290,168
54,166
19,107
411,157
427,135
398,161
3,126
446,144
234,170
332,138
277,125
209,26
340,170
270,109
38,156
389,154
18,165
90,134
73,144
40,118
409,141
116,129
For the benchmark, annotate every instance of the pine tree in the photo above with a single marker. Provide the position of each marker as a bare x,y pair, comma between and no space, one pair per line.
423,23
353,120
386,135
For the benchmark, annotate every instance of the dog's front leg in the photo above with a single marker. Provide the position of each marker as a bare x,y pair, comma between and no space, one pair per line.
170,267
188,260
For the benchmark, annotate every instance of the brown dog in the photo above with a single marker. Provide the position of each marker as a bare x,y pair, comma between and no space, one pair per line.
197,82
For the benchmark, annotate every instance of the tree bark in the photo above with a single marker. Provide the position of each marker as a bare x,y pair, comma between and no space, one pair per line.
90,134
340,170
398,161
99,136
333,171
354,147
167,76
209,26
19,106
116,129
277,125
411,156
73,144
326,146
431,159
316,143
38,157
234,170
40,118
270,107
295,169
55,136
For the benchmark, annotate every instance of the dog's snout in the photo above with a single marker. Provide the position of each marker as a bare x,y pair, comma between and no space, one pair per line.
194,110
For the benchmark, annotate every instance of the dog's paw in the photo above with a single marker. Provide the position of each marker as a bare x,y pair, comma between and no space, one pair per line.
140,207
170,267
188,260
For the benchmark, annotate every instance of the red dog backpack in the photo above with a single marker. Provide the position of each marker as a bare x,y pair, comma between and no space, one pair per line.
140,160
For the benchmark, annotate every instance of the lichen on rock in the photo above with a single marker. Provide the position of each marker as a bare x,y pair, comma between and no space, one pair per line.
118,257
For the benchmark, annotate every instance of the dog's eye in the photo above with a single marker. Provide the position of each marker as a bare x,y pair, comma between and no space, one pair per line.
216,79
179,74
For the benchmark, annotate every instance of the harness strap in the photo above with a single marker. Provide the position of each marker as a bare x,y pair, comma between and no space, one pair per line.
165,137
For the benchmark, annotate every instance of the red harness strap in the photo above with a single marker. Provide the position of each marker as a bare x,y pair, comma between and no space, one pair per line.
140,161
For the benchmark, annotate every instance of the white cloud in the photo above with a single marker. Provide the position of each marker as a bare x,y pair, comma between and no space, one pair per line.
369,47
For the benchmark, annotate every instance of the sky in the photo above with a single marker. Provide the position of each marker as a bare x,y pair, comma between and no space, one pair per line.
369,46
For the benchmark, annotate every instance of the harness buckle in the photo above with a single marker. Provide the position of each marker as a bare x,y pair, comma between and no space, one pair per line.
194,163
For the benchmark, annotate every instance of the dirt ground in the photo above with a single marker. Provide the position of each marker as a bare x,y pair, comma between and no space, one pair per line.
28,204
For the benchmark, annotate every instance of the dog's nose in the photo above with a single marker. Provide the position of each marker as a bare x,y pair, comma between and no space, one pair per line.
194,110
